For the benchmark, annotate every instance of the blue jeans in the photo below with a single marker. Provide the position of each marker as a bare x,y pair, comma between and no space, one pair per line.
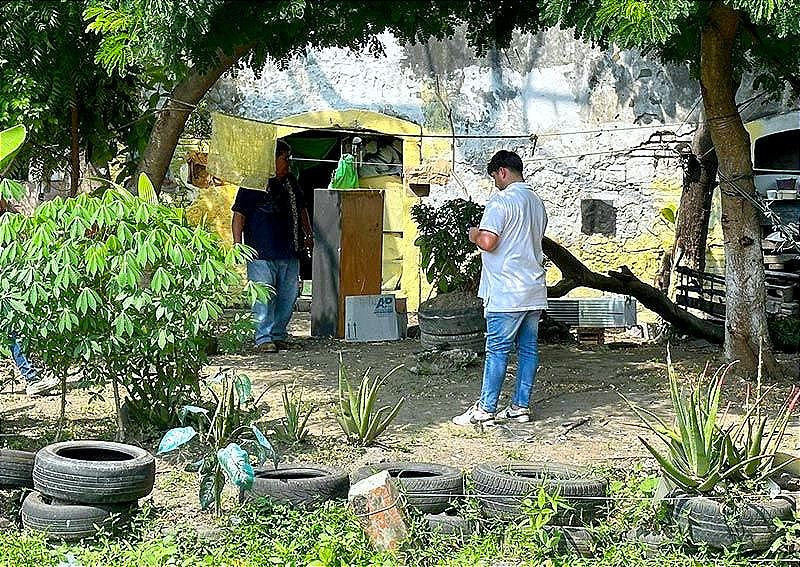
23,364
503,331
271,318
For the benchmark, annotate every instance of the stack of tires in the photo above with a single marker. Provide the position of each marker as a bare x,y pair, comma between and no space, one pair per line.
444,330
83,487
502,488
16,469
428,488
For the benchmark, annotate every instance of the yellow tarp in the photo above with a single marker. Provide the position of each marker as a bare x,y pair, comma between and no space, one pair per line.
242,152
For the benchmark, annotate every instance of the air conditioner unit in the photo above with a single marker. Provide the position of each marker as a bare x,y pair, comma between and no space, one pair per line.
617,311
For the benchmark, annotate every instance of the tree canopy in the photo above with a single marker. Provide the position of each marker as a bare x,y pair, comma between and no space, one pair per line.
48,76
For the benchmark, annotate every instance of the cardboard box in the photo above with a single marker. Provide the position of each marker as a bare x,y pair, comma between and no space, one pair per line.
373,318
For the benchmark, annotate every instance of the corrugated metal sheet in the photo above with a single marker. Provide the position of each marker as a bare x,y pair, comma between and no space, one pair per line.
606,312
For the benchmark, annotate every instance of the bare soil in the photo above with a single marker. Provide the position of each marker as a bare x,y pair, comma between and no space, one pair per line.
579,415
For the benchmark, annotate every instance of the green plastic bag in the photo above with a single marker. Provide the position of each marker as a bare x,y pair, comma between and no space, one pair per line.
345,176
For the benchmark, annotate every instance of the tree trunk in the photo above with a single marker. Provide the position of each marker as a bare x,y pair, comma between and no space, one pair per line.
74,148
576,274
172,118
691,226
746,321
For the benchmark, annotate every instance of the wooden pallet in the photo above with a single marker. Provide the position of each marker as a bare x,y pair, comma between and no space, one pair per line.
591,335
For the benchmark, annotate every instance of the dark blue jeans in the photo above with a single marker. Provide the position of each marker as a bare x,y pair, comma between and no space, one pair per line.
504,330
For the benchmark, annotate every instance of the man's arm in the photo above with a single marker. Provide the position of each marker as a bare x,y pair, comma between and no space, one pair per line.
237,227
486,240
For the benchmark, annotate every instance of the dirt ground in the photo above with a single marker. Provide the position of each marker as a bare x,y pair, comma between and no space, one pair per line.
579,416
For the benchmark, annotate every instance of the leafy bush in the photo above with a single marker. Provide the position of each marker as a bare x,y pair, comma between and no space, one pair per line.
218,429
120,288
356,413
450,261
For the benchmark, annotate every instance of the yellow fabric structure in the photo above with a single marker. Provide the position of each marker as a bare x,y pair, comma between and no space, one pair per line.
242,152
213,209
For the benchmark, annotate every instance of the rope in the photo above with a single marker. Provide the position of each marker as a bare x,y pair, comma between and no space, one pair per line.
483,496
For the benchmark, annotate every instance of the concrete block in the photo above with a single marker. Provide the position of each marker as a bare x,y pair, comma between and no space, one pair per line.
377,504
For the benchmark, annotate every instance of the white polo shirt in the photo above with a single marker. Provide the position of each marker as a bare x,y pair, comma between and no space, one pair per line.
512,277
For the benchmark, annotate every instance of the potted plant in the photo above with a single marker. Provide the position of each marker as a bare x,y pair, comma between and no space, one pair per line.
716,472
453,318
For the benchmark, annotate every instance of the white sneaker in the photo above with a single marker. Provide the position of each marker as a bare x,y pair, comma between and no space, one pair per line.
43,387
509,413
474,415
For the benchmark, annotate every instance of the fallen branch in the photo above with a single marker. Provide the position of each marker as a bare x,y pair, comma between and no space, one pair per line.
575,274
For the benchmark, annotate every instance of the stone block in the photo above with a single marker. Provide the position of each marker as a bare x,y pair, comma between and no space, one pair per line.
377,504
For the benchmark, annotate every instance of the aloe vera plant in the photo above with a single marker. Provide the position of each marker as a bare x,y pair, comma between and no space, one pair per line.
701,452
356,413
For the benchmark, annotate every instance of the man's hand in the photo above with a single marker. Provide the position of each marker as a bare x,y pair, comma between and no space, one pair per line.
473,233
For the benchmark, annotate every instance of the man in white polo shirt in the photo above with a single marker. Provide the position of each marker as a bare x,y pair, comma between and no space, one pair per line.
512,287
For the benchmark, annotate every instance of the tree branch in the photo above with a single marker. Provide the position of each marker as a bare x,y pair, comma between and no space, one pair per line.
576,274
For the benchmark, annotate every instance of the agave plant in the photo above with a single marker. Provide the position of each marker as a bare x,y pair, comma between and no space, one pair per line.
701,453
356,413
294,426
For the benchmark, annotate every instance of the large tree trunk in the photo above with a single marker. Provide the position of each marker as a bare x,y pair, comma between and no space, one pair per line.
172,119
575,274
746,321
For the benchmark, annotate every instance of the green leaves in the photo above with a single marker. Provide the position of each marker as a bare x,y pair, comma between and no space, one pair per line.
450,261
235,463
176,437
11,140
356,413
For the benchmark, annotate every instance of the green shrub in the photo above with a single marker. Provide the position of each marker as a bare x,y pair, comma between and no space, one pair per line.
119,288
450,261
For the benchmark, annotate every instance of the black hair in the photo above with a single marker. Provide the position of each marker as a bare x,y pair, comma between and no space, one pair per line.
507,159
282,148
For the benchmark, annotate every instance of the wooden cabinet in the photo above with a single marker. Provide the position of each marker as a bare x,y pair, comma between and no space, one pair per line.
348,244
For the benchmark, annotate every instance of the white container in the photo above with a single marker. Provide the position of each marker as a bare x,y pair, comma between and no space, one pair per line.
772,194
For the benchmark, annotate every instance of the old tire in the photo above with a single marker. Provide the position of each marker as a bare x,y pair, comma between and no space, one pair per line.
94,472
501,488
574,539
451,525
750,525
71,522
16,469
428,487
475,341
452,322
298,484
